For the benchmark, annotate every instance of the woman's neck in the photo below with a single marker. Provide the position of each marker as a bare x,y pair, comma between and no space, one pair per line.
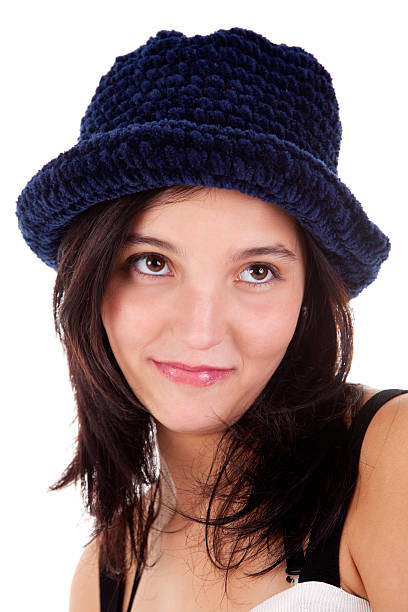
188,459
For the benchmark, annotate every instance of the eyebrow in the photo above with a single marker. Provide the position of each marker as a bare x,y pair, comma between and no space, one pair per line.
277,250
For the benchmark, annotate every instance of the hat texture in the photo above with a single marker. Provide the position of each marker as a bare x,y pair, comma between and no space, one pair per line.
229,109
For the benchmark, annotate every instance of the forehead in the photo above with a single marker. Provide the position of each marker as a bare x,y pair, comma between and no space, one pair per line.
226,212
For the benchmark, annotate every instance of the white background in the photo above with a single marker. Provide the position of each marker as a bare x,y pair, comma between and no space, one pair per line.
53,56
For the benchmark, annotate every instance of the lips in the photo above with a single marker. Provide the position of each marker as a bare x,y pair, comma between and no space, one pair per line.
197,377
183,366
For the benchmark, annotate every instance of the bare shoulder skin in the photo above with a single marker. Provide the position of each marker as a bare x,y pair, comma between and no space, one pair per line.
376,529
84,595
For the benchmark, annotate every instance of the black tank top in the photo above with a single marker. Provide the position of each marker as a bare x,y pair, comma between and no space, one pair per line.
323,564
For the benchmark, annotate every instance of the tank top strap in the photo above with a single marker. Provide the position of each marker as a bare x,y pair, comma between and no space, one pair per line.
323,564
111,593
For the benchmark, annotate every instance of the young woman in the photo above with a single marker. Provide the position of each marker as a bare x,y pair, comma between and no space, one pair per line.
206,253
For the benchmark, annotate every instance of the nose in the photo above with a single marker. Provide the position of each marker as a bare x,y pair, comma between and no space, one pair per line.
201,316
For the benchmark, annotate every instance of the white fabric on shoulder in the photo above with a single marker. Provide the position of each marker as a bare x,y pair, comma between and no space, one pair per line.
313,596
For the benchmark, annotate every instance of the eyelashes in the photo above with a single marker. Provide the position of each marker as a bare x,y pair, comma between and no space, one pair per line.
132,262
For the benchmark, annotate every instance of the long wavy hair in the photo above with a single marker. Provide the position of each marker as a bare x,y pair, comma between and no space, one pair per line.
279,466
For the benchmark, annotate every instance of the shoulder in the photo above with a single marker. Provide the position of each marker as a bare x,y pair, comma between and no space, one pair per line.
380,431
84,596
379,528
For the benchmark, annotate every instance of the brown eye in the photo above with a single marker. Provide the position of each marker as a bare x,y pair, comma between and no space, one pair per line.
260,271
259,275
153,262
146,264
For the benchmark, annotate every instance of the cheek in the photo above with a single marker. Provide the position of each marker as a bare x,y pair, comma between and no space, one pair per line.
126,323
263,346
268,334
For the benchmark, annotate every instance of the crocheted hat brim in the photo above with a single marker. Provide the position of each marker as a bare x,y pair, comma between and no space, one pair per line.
163,153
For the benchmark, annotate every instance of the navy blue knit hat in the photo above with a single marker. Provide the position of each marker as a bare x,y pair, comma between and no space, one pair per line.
229,109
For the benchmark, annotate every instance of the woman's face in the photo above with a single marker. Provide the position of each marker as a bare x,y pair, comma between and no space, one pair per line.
201,302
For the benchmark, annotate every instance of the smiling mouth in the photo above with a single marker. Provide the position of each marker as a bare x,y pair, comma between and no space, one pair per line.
199,368
195,377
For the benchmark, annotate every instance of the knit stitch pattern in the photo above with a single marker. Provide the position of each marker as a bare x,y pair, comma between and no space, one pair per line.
230,110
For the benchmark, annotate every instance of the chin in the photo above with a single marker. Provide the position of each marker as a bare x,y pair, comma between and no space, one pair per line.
202,426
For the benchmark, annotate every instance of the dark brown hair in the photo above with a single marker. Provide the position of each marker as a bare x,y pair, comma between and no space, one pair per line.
278,465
